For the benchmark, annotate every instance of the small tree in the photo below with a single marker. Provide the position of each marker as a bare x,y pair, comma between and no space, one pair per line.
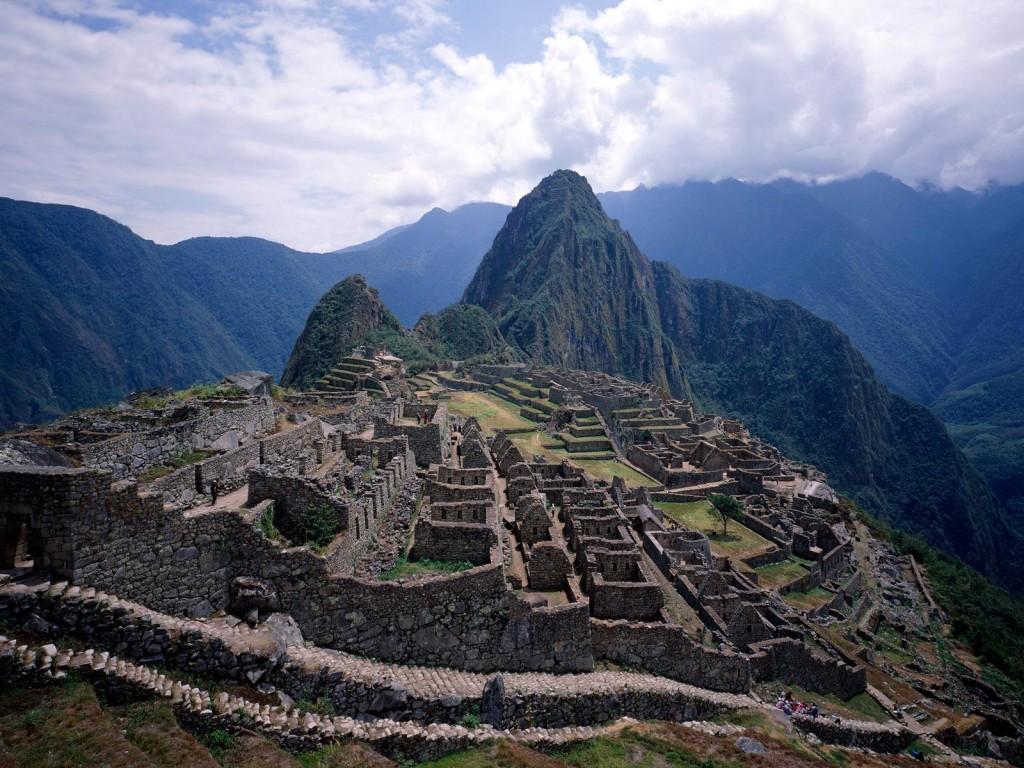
725,508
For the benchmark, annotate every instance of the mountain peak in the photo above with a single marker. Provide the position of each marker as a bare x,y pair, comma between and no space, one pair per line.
346,314
567,186
568,286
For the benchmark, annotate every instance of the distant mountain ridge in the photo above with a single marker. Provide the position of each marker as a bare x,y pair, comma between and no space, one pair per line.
925,282
568,286
91,311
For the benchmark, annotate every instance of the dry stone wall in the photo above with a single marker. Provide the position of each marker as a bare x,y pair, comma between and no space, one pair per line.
184,564
126,455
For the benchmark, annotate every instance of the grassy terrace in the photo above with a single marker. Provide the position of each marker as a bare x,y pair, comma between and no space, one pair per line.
491,411
777,574
809,600
407,569
739,542
600,465
495,413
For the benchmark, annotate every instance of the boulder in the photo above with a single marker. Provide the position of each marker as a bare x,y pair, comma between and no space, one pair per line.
750,746
249,593
393,697
257,383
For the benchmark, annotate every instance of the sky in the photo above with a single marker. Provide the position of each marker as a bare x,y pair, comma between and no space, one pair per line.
322,124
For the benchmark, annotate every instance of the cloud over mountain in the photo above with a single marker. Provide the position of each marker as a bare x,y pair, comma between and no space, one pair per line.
322,124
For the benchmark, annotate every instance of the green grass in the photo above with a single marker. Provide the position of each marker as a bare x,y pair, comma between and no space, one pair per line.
493,413
60,727
218,742
406,569
738,542
150,402
174,463
627,749
603,468
154,473
606,469
809,600
777,574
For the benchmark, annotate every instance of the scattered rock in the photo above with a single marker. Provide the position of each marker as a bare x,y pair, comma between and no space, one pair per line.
750,746
37,625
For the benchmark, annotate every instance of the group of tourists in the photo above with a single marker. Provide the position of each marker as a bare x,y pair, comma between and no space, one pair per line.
791,706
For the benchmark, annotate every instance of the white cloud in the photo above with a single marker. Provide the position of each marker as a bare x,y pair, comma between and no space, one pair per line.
280,121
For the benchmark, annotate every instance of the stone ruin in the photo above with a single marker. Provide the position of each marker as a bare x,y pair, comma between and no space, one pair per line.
556,572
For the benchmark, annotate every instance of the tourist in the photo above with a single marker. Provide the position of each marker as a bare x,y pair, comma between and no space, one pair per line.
214,490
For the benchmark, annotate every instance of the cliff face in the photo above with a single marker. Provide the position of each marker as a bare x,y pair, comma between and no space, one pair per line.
567,286
346,314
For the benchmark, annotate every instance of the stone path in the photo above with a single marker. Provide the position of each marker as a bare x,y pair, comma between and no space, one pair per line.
422,682
291,726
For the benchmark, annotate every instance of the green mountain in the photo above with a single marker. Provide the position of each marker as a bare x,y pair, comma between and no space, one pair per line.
791,246
346,315
89,311
352,314
463,332
569,287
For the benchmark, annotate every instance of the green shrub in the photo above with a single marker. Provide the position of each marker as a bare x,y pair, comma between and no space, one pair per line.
265,523
322,523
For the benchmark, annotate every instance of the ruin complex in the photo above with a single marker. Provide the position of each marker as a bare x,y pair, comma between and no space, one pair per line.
376,544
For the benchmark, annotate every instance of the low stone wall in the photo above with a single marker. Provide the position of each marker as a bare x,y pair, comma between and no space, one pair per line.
230,470
794,662
295,730
640,600
766,558
664,649
291,443
757,525
878,737
453,541
127,455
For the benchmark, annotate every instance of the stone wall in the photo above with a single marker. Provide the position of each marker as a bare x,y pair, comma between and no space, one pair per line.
230,469
455,541
665,649
624,599
292,497
878,737
430,442
794,662
121,542
547,566
127,455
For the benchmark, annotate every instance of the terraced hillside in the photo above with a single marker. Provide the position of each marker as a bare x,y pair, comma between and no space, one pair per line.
531,419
